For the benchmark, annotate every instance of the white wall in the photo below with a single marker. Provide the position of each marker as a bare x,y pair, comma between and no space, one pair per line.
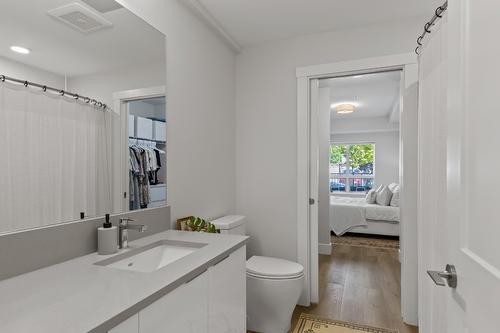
363,125
266,126
201,108
102,85
21,71
146,110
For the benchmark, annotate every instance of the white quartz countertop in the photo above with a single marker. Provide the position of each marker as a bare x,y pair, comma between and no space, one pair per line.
78,296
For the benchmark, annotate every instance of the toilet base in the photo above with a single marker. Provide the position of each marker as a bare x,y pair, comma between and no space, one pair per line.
270,303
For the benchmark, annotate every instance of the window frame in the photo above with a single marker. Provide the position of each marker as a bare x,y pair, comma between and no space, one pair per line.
349,175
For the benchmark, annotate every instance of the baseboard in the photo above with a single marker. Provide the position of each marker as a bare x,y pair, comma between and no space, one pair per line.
325,248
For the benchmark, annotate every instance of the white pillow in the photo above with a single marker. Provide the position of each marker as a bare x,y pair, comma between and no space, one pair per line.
395,197
384,196
393,186
371,196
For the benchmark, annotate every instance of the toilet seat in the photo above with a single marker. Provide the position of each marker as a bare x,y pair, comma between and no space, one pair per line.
273,268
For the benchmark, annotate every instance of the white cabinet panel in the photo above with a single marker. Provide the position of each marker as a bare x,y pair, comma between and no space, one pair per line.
184,310
131,325
159,130
131,125
227,294
144,128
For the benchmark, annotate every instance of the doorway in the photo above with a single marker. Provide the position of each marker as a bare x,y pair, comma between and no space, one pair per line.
308,177
142,124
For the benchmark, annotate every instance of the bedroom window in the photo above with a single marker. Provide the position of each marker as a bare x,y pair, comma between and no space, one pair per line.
352,167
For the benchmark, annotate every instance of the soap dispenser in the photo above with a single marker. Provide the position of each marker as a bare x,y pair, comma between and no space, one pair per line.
107,238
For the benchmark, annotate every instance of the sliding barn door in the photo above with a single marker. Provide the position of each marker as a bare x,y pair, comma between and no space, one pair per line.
466,230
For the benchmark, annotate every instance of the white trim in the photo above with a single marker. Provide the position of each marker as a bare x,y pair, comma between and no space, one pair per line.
394,130
303,232
209,19
304,225
409,194
130,95
361,65
325,249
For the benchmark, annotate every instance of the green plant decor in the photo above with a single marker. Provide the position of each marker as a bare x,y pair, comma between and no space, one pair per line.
200,225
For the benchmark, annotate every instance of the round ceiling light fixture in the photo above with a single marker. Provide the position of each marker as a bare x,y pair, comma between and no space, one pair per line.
20,49
345,108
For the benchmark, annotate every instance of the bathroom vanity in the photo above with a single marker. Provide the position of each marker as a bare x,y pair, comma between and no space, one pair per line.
170,282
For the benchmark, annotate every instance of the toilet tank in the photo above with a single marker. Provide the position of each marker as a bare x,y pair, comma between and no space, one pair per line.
230,224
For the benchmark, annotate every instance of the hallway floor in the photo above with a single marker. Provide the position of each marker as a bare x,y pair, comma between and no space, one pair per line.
360,285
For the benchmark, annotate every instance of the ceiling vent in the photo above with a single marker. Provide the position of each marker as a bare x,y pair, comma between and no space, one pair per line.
80,17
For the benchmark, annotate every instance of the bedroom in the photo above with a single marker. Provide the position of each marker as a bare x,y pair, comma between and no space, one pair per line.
363,153
358,203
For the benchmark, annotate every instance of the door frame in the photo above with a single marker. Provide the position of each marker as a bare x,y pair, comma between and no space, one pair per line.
307,244
120,142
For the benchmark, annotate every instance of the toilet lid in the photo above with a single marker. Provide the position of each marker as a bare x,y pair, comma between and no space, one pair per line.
273,267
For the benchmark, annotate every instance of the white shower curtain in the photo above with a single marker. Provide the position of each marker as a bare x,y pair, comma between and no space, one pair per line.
54,158
433,82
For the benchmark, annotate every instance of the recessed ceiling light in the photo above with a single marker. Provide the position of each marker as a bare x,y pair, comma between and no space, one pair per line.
345,108
20,49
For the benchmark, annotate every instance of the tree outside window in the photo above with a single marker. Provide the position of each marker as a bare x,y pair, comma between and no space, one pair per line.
352,167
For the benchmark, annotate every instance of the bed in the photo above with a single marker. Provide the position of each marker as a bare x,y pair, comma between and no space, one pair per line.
348,214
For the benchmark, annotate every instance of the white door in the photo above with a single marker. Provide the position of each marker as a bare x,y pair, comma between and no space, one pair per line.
471,224
314,190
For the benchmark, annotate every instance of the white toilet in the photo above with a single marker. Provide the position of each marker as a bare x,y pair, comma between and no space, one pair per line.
273,285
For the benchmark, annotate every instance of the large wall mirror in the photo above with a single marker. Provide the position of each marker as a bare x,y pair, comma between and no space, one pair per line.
82,112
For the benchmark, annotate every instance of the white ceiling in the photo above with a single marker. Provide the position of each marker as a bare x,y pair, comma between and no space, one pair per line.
60,49
255,21
375,95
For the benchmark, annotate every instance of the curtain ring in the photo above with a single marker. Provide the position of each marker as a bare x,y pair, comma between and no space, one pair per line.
44,88
417,49
419,40
62,92
439,11
104,106
2,78
87,100
26,83
426,27
76,97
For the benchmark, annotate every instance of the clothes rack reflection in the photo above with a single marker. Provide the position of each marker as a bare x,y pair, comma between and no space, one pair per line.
145,162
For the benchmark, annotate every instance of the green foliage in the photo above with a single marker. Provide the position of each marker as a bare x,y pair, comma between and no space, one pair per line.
200,225
337,152
361,155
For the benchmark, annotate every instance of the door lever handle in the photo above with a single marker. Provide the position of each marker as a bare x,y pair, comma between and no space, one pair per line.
450,275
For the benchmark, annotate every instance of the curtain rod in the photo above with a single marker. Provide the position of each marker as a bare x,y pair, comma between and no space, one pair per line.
61,92
437,15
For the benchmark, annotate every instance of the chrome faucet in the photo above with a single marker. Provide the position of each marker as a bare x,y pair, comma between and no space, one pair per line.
123,229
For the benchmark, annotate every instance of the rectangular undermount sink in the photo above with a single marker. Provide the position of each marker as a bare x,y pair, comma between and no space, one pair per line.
151,257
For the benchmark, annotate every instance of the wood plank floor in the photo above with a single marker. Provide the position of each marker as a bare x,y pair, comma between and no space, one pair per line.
360,285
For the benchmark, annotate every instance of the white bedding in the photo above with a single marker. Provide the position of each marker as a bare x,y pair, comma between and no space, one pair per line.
347,213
